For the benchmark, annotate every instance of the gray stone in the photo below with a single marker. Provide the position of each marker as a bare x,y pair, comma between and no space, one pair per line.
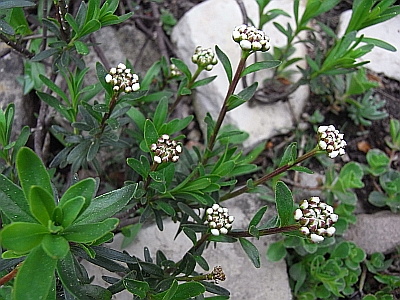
377,232
11,67
211,23
381,61
244,281
122,44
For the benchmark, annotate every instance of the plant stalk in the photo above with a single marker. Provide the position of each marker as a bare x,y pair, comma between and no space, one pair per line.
269,176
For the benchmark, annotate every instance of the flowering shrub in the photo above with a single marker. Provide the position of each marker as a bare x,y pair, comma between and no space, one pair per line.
47,231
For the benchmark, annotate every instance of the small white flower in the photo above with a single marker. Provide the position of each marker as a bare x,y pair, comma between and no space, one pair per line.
245,45
223,230
215,232
334,218
135,87
315,238
157,159
108,78
298,214
121,66
330,231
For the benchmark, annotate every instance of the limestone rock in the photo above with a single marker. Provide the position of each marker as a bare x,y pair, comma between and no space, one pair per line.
211,23
377,232
381,61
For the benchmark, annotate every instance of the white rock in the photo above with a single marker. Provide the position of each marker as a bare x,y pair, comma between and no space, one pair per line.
381,61
211,23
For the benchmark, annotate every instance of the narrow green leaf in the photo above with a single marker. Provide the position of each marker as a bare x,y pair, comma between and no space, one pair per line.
54,87
41,204
15,3
258,216
234,101
89,232
71,209
251,251
248,92
150,133
85,188
13,202
45,54
188,290
56,104
107,205
69,276
284,203
21,237
225,62
261,65
171,291
203,81
31,171
28,285
161,113
183,67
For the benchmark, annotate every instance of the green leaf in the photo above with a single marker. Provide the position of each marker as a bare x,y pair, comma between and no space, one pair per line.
203,81
150,133
69,276
225,62
91,26
21,237
248,92
41,204
261,65
185,290
87,233
234,101
55,103
130,232
258,216
71,210
45,54
107,205
183,67
160,114
54,88
141,167
136,287
276,251
55,246
85,188
289,156
81,48
251,251
31,171
13,202
28,285
284,203
380,44
15,3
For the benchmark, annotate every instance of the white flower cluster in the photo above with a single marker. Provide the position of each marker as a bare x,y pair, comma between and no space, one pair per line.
218,219
174,71
331,140
166,150
122,79
204,57
251,38
317,219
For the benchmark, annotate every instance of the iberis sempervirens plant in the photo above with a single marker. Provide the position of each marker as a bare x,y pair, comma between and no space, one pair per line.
250,38
218,219
122,79
317,219
204,58
331,141
166,150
